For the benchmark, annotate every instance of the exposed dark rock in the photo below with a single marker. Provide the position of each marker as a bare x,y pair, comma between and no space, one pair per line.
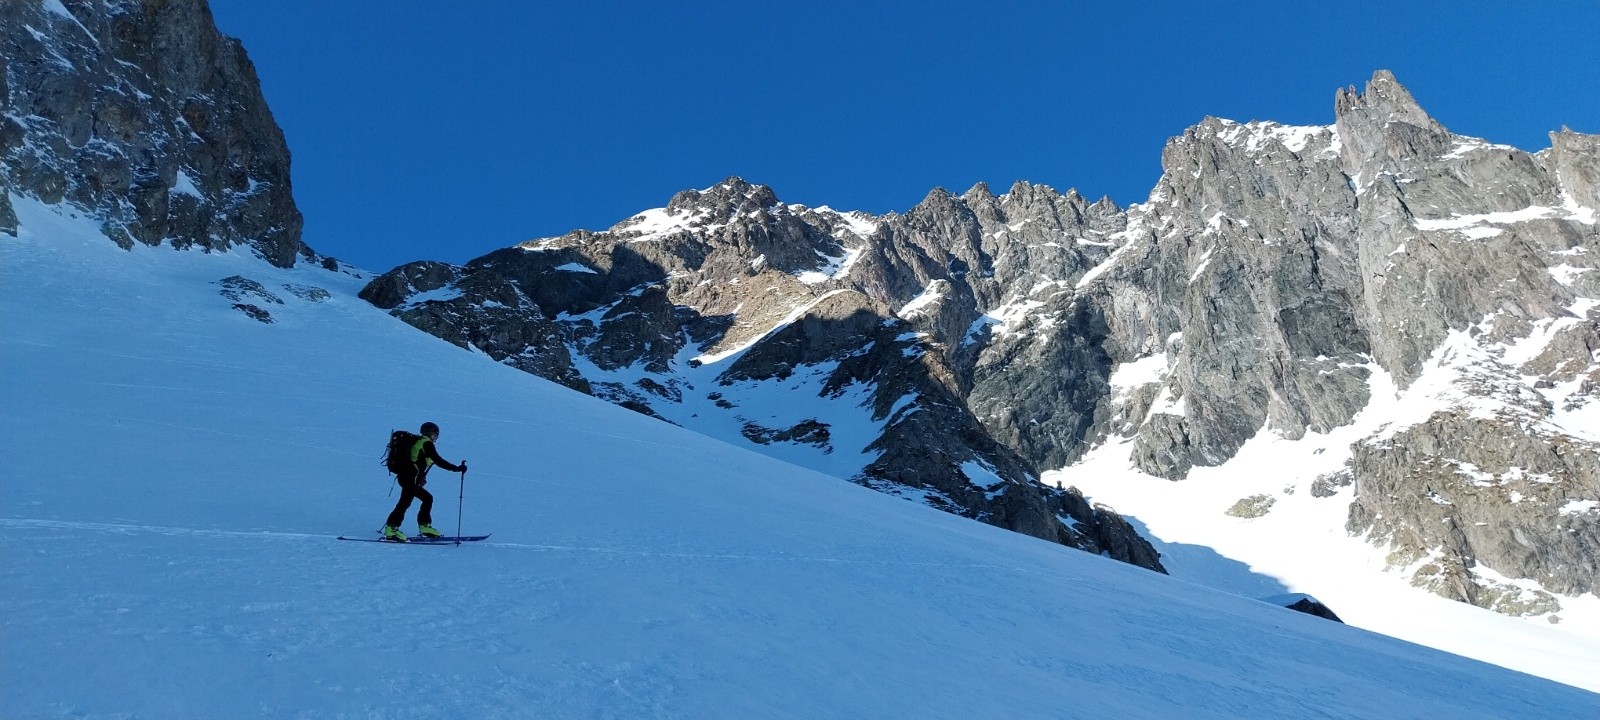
1300,602
809,432
239,288
392,288
1328,485
255,312
308,293
8,214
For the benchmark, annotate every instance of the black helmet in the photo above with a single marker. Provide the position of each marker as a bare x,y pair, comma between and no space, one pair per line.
430,429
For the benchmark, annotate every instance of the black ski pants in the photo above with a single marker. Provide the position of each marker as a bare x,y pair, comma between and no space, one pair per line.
411,489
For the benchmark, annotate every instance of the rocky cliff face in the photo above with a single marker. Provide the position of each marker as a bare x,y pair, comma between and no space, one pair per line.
1276,272
143,115
1278,280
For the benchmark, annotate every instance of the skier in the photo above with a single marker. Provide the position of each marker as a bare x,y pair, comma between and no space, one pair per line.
412,474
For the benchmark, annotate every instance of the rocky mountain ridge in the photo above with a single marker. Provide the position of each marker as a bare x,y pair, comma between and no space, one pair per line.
727,300
1273,274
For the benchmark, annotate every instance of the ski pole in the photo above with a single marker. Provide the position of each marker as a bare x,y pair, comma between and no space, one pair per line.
460,496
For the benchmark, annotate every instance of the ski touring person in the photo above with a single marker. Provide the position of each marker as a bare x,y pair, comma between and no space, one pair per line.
411,471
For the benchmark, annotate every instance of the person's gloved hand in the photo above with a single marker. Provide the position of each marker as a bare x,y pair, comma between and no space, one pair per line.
463,466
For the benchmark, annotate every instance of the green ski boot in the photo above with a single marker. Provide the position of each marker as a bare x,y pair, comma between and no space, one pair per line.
428,531
393,534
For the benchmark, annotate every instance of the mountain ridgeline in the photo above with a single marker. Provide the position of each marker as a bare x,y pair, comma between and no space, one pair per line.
972,341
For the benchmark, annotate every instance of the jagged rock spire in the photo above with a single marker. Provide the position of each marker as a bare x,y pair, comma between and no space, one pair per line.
725,199
1385,125
1385,100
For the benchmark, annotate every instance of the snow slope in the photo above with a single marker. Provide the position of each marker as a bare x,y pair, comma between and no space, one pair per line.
179,470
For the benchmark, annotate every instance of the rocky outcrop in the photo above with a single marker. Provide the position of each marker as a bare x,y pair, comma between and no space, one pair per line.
1300,602
477,310
980,274
1492,485
1249,244
144,115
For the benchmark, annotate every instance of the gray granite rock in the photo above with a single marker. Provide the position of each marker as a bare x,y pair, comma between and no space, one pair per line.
1252,507
1500,492
145,116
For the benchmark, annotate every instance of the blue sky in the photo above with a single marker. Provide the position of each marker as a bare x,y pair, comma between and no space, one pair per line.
444,130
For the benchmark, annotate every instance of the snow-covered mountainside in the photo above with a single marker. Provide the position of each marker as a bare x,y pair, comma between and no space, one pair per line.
182,468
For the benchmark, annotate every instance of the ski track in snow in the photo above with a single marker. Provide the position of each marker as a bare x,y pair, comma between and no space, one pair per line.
127,529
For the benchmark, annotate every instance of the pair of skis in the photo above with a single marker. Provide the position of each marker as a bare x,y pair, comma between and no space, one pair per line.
422,540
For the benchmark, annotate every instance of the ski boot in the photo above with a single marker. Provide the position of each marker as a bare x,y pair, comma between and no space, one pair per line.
393,534
428,531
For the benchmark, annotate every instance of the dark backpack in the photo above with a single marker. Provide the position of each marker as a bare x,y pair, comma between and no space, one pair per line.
397,457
